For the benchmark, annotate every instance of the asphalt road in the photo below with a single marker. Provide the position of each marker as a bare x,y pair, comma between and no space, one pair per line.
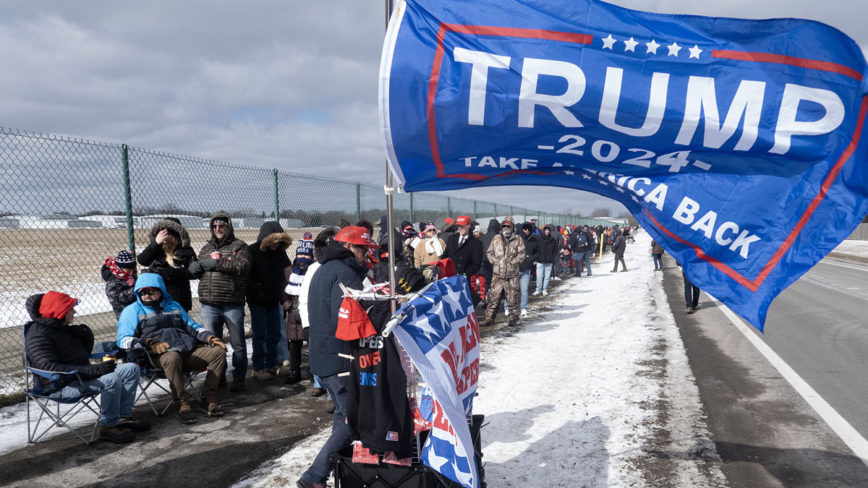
765,433
819,326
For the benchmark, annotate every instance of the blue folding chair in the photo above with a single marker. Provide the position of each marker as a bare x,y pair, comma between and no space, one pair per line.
60,411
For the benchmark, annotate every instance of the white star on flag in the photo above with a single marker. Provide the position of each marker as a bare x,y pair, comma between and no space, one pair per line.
630,45
652,47
635,199
608,42
587,177
619,189
569,172
694,52
604,183
673,49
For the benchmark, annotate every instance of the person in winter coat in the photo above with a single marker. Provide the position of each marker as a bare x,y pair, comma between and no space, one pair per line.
548,250
54,344
493,230
304,257
161,325
582,243
119,274
322,241
222,269
619,245
269,268
342,262
506,254
531,251
169,255
465,250
657,253
431,249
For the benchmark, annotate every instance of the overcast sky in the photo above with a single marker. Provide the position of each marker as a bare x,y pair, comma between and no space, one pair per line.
287,84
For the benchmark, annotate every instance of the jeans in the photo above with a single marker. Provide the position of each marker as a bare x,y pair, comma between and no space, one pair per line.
658,261
524,282
341,437
585,258
117,392
691,292
543,275
266,323
214,316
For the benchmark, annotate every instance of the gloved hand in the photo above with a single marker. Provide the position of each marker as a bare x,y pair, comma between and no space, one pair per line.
214,341
196,268
106,367
157,347
209,264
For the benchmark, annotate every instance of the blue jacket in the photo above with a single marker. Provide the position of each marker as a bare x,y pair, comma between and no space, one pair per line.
167,322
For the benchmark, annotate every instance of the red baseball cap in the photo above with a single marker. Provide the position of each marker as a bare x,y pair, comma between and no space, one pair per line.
449,220
463,220
353,322
357,236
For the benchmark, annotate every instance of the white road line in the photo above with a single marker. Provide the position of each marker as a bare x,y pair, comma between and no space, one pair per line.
830,262
841,427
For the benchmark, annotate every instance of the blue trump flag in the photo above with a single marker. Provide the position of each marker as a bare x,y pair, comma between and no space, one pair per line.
735,143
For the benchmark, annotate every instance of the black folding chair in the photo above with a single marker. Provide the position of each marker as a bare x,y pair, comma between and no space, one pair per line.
60,411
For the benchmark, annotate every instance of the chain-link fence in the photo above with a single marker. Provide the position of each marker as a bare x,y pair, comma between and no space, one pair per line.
66,205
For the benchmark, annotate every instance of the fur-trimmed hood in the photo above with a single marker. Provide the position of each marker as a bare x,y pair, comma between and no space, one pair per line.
281,238
272,233
173,226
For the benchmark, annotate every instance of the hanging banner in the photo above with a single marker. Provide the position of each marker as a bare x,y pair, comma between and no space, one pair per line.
735,143
441,336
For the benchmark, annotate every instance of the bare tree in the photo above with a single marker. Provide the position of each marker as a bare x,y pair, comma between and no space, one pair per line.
601,212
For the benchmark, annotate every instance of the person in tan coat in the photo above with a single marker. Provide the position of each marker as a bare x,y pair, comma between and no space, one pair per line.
430,249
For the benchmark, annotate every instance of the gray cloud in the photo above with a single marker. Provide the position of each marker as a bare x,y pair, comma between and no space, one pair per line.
291,85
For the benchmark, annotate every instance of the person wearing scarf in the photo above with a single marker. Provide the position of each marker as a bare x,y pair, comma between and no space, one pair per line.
431,249
119,274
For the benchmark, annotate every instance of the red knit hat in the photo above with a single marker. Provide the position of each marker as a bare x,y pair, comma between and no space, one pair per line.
55,305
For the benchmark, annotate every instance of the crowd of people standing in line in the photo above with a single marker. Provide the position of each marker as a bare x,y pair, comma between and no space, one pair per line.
291,301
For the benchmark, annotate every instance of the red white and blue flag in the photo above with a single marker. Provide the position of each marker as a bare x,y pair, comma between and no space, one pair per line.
441,337
735,143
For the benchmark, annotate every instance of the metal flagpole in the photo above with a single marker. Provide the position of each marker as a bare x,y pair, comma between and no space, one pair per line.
409,368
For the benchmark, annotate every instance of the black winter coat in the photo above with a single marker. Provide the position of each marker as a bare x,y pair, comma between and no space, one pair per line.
467,258
119,293
170,327
228,283
619,245
581,241
338,265
52,346
548,248
493,230
177,277
531,251
267,278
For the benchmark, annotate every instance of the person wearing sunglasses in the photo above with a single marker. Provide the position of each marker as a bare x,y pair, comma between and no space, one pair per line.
222,271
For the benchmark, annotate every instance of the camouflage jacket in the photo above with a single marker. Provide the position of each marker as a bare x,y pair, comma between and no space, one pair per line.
506,255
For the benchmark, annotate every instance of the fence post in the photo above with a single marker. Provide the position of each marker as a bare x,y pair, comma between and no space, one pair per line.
474,211
495,211
128,199
276,198
358,202
449,207
411,208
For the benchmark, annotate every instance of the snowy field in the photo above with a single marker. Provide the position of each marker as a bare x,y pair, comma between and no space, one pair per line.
592,390
853,248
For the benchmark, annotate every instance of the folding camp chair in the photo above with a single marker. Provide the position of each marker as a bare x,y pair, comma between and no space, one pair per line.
151,371
51,407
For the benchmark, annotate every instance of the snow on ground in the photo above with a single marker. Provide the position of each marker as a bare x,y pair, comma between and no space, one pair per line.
593,390
853,248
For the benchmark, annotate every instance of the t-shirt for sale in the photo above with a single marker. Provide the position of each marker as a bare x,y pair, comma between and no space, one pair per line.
378,412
